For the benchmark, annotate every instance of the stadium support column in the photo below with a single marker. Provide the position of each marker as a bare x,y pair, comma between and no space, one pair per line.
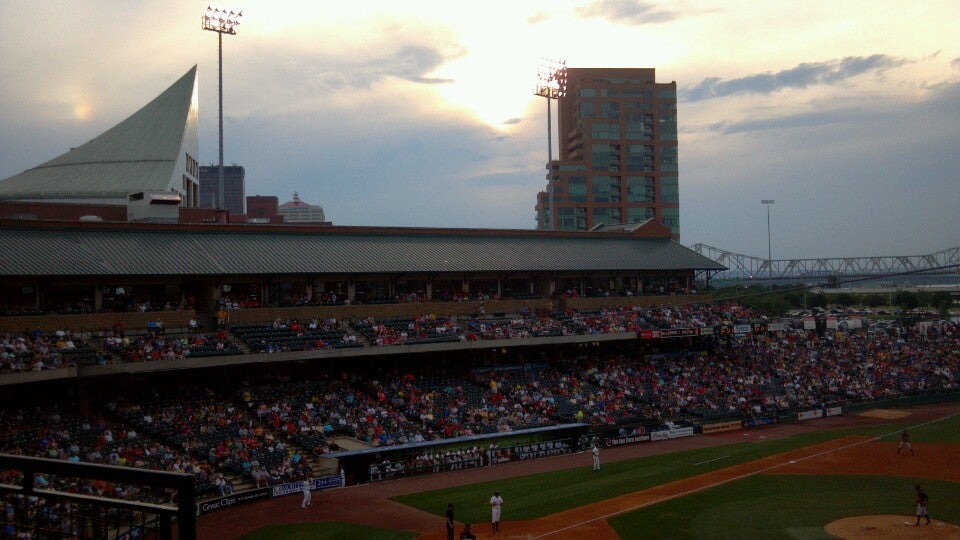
352,290
429,289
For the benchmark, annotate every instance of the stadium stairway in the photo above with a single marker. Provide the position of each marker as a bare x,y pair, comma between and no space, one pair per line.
241,344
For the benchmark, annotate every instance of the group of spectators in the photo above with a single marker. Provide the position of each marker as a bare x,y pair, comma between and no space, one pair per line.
265,430
430,327
418,329
38,351
155,344
285,335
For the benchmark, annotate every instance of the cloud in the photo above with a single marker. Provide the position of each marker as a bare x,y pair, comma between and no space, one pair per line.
627,11
955,62
801,76
539,17
408,62
944,96
819,118
512,121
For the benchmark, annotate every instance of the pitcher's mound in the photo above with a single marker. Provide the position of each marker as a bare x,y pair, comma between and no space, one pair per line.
892,527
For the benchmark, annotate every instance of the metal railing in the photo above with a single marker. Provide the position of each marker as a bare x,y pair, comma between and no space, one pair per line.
62,499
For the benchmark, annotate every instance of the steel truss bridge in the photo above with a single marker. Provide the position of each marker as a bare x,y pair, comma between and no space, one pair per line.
746,267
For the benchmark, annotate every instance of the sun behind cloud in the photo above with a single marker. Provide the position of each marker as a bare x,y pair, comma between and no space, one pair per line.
82,111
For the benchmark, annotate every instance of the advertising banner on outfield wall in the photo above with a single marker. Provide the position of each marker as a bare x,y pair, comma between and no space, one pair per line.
810,415
679,332
626,439
231,500
674,433
324,482
741,329
660,435
753,422
834,411
721,426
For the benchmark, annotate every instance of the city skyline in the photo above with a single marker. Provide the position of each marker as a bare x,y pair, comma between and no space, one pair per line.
423,115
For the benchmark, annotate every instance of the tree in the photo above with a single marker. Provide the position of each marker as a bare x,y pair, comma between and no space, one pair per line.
817,300
907,300
795,299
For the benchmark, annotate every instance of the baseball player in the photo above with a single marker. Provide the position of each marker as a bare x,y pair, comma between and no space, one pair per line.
596,458
306,494
495,503
905,443
921,506
449,521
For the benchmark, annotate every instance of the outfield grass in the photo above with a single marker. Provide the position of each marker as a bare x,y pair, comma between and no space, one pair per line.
784,506
530,497
327,531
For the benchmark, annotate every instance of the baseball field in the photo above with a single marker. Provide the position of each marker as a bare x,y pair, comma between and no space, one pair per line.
828,478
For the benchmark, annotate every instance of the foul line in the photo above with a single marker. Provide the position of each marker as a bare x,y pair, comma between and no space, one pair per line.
733,479
710,460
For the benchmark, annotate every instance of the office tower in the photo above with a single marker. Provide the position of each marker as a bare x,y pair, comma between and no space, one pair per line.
233,187
617,133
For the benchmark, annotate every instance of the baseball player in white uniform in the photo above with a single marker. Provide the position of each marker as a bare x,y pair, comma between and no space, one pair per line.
596,458
495,503
306,494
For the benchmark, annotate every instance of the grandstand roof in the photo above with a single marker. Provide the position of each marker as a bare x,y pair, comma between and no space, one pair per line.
138,154
49,249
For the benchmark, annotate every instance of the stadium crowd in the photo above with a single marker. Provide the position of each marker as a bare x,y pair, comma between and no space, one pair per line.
265,431
37,351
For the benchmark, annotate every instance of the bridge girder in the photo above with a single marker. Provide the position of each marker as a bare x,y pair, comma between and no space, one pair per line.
747,267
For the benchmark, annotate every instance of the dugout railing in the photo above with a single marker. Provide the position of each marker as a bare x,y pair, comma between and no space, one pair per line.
47,498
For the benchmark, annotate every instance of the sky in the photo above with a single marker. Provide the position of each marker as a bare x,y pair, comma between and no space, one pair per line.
422,113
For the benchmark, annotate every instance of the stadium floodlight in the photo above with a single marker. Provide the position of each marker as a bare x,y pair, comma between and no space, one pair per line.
768,203
221,21
551,84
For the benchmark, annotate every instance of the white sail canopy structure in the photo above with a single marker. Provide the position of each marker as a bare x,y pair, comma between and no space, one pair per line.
155,149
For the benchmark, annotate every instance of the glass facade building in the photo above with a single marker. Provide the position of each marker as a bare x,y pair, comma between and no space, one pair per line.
618,161
234,194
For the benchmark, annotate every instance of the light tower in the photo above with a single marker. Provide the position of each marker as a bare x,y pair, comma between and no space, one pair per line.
222,21
551,84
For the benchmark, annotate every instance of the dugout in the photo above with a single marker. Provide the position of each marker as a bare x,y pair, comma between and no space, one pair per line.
356,463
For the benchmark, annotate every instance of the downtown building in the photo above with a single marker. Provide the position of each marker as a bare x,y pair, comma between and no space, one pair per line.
618,163
300,211
233,187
